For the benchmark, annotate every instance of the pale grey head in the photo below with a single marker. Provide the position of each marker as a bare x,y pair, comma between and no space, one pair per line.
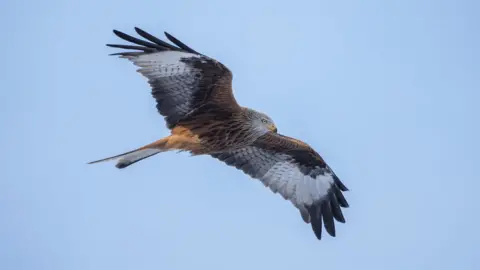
261,121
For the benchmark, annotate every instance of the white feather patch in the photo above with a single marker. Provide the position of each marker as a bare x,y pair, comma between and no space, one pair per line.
287,179
162,64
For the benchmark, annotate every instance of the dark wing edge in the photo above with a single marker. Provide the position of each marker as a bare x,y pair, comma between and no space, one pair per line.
152,45
310,184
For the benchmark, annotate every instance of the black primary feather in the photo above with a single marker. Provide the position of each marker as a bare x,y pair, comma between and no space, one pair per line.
136,40
155,39
328,217
336,210
132,47
316,220
153,44
180,44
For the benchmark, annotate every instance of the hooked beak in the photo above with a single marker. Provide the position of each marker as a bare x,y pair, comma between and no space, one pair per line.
273,128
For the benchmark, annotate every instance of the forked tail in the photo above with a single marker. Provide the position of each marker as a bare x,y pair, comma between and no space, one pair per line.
131,157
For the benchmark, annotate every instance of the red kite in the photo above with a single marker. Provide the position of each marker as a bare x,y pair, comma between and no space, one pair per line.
193,93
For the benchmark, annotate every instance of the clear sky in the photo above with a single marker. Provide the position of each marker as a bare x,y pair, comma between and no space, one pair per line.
386,91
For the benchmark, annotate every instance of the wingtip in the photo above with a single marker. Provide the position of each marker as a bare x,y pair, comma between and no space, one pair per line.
168,35
316,221
317,232
122,35
138,30
339,183
341,219
180,44
328,218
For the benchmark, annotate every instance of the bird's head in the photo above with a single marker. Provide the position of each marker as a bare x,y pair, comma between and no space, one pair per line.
262,120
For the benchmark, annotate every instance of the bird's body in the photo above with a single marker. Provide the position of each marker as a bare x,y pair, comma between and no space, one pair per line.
194,94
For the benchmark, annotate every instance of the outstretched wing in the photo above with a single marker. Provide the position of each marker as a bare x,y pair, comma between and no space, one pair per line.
293,169
182,80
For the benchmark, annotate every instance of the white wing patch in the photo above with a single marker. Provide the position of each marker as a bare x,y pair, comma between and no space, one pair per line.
162,64
312,188
174,82
287,179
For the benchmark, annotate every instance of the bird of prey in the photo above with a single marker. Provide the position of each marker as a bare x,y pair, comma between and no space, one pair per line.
193,93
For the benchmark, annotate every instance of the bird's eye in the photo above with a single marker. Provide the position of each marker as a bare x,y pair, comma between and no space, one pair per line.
264,121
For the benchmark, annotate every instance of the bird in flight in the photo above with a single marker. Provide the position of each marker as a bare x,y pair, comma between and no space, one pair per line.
193,93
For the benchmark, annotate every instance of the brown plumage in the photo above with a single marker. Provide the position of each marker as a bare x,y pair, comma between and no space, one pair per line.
194,94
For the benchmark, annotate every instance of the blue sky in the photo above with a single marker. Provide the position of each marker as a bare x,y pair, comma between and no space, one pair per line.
386,91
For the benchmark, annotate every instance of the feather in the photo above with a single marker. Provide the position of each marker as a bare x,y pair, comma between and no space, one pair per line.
295,171
154,39
131,47
136,40
180,44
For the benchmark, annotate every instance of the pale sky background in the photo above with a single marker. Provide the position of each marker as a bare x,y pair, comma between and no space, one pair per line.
386,91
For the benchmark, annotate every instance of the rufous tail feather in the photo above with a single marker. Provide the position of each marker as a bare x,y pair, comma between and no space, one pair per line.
131,157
